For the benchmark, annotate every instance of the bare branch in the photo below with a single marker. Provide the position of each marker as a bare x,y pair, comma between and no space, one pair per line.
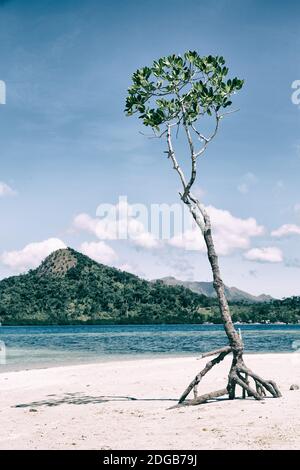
221,116
207,140
201,136
171,155
154,135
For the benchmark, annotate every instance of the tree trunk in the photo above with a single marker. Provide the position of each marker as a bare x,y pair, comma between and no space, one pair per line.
234,338
239,373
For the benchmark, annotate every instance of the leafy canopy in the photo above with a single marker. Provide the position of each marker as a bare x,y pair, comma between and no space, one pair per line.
180,89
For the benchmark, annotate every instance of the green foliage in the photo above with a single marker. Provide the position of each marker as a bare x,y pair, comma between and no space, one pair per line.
180,89
284,311
89,292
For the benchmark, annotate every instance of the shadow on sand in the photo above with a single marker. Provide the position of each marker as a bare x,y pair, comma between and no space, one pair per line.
78,399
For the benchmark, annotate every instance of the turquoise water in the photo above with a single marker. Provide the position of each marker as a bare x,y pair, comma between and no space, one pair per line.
43,346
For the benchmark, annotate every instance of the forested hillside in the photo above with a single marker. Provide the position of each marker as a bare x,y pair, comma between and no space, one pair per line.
70,288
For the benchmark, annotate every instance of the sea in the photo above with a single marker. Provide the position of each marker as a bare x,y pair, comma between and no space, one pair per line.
28,347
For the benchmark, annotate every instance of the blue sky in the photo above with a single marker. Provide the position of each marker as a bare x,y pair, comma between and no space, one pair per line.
66,145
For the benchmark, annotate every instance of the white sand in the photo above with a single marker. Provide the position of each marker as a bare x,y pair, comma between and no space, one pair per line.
69,413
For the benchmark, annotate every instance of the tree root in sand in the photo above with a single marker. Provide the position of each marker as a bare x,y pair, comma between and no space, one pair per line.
239,375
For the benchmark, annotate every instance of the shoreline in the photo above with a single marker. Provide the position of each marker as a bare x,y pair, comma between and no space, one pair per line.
125,404
128,358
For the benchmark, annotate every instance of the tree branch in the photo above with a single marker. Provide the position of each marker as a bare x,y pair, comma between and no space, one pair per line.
171,155
207,140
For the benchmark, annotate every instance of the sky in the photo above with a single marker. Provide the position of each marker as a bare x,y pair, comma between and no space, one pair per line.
66,146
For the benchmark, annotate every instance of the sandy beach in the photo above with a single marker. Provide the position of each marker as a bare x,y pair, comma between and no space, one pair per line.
90,407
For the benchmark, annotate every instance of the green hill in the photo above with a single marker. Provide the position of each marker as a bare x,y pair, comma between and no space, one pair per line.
69,287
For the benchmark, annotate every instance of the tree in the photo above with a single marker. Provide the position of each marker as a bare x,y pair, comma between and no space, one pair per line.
181,93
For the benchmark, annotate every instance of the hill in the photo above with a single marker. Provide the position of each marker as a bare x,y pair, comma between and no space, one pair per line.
69,287
206,288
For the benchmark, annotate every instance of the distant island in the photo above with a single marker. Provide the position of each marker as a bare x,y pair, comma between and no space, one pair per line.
207,288
70,288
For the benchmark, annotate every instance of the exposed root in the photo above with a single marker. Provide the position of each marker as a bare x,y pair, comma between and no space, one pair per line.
226,349
208,396
245,393
268,385
194,384
202,398
260,390
238,376
245,379
246,387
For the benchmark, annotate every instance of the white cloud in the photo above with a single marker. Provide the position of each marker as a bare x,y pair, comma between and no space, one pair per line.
145,240
96,227
131,268
199,192
99,251
270,254
31,255
120,223
285,230
6,190
127,267
191,239
230,233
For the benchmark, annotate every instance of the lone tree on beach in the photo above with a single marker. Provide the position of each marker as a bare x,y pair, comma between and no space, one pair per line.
181,94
